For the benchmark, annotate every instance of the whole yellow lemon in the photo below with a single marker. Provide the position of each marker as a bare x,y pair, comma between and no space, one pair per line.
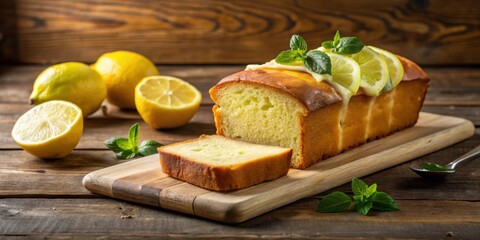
71,81
121,71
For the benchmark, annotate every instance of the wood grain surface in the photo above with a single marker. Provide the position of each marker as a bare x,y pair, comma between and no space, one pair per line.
143,181
45,199
23,175
65,218
233,31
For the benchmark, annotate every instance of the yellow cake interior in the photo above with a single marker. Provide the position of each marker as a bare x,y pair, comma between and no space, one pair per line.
260,115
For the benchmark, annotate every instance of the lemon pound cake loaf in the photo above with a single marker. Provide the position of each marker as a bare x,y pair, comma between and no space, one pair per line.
221,164
291,108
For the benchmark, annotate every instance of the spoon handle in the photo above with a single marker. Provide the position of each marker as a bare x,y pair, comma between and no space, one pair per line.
474,153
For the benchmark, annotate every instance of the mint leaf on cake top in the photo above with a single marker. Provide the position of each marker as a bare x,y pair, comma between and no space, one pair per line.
314,60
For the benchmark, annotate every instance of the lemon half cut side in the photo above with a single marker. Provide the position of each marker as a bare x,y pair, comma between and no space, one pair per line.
166,102
49,130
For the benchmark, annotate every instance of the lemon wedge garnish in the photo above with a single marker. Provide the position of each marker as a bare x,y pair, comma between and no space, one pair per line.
374,71
166,102
49,130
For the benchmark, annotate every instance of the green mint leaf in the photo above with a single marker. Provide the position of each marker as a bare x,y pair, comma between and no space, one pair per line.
298,43
372,189
328,44
318,62
148,147
383,202
127,154
123,144
133,135
360,198
334,202
358,186
126,148
349,45
388,86
150,143
111,143
434,167
365,199
288,57
336,38
362,205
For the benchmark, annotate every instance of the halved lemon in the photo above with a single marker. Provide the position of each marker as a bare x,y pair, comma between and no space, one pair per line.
345,71
49,130
374,71
395,67
166,102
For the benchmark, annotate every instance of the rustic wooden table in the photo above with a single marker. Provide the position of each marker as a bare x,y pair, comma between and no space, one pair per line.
45,198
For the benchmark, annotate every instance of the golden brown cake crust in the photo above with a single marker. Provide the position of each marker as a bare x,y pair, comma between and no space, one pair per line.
303,86
224,178
412,71
313,95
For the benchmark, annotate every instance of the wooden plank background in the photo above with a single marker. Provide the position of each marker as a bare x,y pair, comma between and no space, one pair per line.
439,32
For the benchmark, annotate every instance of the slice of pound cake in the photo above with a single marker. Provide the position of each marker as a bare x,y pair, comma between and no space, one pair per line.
221,164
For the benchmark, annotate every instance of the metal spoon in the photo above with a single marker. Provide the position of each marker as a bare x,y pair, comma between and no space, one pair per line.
416,166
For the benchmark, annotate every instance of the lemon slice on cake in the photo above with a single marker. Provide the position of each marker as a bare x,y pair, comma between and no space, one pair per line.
374,71
166,102
395,67
345,72
49,130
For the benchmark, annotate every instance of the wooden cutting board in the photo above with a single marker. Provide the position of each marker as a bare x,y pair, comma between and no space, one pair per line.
143,181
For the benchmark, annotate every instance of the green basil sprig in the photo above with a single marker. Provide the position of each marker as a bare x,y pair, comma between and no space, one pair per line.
127,148
314,60
365,198
344,45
